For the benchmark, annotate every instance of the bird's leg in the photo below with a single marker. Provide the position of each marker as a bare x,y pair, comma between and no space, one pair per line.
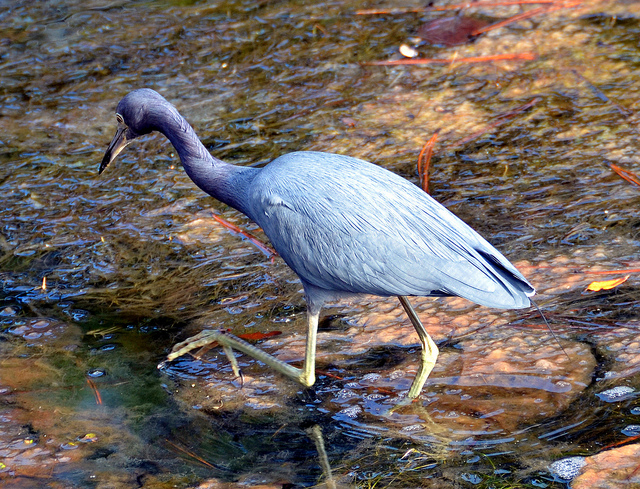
229,341
429,352
306,376
234,363
315,433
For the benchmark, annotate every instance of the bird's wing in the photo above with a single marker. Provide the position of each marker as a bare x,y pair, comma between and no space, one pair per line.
365,230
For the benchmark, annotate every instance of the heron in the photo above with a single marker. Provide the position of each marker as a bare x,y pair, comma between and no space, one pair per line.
348,228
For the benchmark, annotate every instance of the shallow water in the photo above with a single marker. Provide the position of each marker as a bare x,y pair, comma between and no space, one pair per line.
102,275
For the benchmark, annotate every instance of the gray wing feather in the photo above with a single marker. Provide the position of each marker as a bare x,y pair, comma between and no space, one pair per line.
362,229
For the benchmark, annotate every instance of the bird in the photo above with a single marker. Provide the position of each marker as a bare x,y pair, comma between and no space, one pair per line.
347,227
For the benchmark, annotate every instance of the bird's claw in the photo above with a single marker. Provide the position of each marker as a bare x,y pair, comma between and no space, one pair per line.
200,340
203,338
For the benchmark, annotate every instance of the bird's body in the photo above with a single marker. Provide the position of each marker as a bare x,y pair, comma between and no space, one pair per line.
345,226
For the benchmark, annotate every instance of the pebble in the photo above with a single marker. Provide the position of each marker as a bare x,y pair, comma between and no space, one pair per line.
567,468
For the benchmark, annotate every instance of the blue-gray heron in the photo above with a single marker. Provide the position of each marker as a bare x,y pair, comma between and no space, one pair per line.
345,226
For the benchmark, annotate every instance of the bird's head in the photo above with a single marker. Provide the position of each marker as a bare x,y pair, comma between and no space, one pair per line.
135,118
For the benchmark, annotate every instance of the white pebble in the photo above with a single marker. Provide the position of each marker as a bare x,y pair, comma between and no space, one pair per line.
567,468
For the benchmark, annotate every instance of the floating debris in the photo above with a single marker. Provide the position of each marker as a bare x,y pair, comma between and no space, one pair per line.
408,51
472,478
9,311
371,377
88,438
96,372
606,284
345,394
70,446
42,329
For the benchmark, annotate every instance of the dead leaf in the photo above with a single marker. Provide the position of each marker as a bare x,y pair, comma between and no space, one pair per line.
607,284
451,31
258,336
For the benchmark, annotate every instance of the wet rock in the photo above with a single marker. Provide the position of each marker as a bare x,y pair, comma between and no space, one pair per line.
491,379
25,451
611,469
489,384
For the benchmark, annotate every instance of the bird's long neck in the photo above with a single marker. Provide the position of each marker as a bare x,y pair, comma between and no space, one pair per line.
227,183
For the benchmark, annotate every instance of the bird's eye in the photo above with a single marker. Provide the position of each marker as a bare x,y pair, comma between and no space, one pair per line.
119,119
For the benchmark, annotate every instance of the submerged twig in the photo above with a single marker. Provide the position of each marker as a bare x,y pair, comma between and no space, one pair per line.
601,95
190,454
265,248
424,161
439,61
551,330
95,390
510,20
461,6
629,176
612,272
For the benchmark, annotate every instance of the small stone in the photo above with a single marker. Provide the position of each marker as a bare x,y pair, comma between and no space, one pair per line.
567,468
408,51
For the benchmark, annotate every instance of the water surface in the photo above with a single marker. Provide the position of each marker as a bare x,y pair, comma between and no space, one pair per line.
102,275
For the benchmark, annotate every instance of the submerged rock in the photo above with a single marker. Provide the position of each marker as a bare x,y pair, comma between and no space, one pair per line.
611,469
489,378
567,469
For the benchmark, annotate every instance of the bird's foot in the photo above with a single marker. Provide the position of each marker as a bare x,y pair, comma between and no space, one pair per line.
204,338
234,363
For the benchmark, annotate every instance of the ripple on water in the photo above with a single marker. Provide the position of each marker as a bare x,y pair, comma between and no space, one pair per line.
631,430
616,394
621,348
42,331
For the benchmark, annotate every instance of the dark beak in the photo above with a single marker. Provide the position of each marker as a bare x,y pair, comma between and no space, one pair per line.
118,143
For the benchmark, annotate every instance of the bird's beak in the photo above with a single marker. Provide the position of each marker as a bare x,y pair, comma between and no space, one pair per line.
117,144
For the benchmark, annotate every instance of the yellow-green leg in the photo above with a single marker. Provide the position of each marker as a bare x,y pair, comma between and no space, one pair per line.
429,352
306,375
316,435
